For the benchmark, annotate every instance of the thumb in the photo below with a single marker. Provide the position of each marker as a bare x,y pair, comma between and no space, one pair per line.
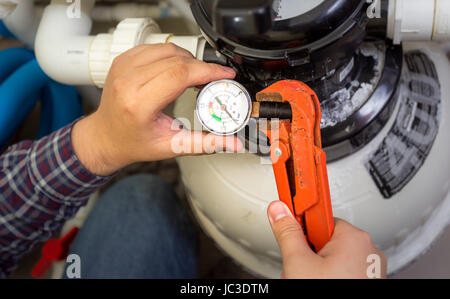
294,247
197,143
215,144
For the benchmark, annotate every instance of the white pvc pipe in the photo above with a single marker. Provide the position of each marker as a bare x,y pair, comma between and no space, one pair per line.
419,20
23,22
129,33
63,42
65,51
442,21
121,11
194,44
7,7
184,8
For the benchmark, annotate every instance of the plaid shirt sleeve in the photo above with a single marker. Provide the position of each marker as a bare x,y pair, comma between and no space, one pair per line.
42,184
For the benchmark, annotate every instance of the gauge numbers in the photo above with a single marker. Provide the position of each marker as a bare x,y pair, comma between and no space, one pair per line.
224,107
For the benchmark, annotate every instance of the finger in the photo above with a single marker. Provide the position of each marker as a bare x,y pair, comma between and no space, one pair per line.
198,143
343,233
145,73
289,235
177,79
152,53
216,144
135,50
342,227
125,57
146,54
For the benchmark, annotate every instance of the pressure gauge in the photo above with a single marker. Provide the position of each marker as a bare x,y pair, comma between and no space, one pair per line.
224,107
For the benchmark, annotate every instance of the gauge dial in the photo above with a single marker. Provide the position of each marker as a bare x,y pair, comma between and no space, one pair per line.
224,107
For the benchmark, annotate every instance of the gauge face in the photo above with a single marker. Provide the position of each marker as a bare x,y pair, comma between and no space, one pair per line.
224,107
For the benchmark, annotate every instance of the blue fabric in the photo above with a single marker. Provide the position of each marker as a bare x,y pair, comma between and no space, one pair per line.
60,105
22,83
138,229
5,31
11,59
46,117
18,97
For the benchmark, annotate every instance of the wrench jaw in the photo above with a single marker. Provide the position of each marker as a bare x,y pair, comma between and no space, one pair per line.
299,163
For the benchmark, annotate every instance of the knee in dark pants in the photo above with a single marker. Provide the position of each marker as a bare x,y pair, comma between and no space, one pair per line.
138,229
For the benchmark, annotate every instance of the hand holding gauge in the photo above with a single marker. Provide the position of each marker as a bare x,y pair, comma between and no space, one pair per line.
224,107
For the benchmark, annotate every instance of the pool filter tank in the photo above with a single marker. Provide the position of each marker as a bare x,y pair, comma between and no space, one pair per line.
385,125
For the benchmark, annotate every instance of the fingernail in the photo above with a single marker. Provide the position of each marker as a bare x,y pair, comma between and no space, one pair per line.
229,70
278,210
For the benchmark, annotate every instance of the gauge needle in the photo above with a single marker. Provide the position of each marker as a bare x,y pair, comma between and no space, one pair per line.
226,110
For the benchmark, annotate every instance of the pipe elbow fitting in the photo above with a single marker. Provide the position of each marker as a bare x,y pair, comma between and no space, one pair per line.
63,42
419,20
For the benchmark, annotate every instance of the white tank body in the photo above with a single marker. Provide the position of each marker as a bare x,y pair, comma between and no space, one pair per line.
229,193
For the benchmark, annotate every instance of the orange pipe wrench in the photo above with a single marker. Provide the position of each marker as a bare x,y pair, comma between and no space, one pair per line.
299,163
